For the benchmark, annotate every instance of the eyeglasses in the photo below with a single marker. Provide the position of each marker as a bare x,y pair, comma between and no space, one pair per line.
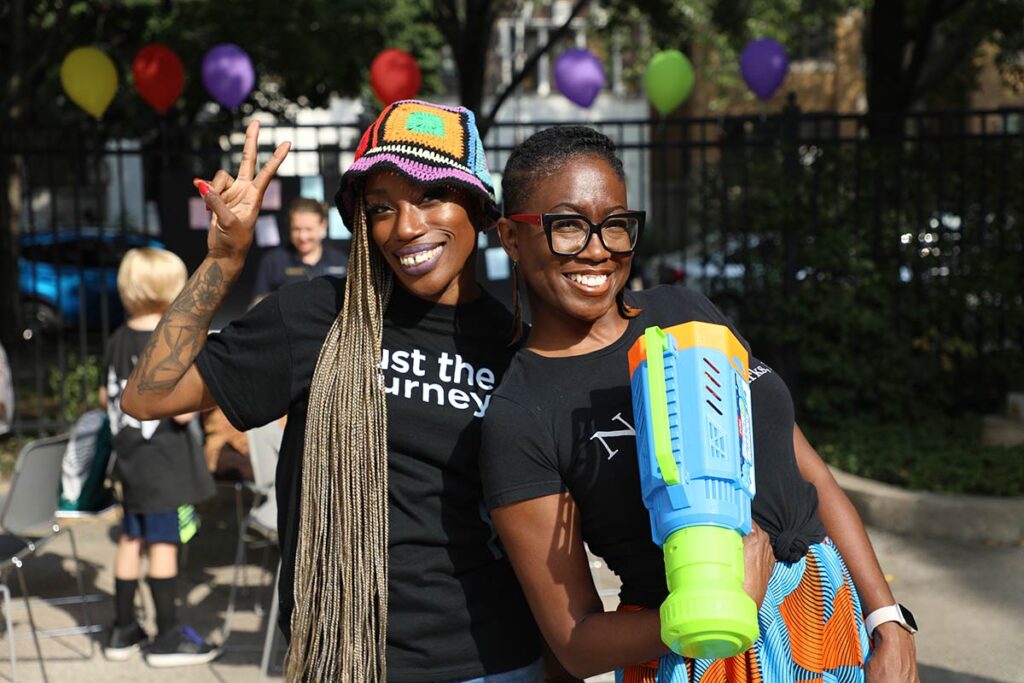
569,233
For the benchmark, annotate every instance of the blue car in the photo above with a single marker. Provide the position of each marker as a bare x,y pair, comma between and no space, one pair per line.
63,275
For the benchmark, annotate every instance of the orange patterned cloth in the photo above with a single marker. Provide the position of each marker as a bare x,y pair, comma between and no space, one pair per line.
812,631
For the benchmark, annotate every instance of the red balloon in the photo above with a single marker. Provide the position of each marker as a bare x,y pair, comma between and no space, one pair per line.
394,75
159,76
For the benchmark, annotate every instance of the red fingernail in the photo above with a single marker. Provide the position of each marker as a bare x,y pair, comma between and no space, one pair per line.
203,188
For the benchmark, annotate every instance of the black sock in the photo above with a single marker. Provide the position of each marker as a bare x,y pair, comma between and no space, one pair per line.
124,601
163,598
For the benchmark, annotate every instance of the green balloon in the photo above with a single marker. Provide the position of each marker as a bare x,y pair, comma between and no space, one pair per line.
669,80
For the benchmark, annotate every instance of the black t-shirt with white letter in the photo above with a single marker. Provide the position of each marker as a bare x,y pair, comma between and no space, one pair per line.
566,424
160,465
455,607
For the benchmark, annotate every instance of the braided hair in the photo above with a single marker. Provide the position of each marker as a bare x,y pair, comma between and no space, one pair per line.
339,623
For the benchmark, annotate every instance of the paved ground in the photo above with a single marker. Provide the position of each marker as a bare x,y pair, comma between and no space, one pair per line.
969,601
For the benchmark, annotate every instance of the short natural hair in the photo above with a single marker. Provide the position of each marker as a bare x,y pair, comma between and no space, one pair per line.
149,279
545,152
306,205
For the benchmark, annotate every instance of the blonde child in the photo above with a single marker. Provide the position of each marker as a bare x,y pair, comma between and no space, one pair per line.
161,469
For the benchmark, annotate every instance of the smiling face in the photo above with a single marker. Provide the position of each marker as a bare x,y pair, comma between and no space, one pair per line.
580,288
426,235
308,230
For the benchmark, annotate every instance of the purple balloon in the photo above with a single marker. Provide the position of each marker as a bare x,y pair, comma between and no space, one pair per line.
579,75
764,65
228,74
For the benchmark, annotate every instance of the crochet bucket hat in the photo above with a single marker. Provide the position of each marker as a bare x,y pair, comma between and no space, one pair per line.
427,143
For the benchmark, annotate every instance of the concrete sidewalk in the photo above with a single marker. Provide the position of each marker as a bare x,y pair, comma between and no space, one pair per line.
968,599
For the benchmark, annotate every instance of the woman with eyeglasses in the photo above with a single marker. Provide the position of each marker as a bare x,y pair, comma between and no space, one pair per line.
559,461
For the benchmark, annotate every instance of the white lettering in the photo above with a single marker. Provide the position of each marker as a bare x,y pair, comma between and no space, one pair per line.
444,362
458,398
417,363
427,388
461,365
602,435
485,379
410,384
400,361
482,409
450,369
760,371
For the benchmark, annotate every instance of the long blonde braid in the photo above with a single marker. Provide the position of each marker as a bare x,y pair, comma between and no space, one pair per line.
339,623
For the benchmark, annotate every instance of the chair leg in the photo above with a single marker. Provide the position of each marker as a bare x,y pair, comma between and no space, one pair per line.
268,640
31,620
86,621
263,568
10,631
239,557
240,518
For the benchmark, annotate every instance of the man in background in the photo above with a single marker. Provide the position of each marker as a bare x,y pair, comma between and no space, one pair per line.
6,394
306,257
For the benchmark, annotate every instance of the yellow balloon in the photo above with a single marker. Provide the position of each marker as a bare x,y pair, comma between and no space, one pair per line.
90,79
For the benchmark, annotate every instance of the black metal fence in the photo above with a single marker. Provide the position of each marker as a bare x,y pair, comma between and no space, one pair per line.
881,273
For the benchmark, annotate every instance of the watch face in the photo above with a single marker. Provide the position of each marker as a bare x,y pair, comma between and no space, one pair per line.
908,617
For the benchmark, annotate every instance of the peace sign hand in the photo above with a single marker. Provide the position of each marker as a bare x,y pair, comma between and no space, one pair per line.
235,202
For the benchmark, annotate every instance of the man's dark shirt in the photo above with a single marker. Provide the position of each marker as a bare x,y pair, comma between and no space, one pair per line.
283,265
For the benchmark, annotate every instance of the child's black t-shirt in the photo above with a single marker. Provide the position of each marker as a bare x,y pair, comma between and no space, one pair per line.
160,465
566,424
455,607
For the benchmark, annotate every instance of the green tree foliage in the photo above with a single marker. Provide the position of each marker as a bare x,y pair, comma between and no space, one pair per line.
882,282
917,52
303,51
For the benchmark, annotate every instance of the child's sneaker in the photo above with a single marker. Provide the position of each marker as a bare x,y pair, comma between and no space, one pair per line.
124,641
180,647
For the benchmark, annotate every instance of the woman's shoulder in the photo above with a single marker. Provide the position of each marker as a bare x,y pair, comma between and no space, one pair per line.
313,300
516,377
674,299
675,304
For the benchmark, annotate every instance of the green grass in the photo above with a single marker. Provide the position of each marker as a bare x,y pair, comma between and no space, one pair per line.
943,455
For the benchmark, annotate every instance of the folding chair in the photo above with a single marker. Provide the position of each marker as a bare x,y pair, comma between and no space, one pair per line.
28,523
264,445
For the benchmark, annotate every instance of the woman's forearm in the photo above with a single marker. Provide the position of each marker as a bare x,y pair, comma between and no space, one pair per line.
604,641
544,542
164,382
844,526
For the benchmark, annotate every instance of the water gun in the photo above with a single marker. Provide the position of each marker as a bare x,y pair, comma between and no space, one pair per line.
691,403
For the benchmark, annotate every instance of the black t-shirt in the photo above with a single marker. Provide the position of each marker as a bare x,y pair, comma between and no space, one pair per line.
455,607
566,424
160,465
283,265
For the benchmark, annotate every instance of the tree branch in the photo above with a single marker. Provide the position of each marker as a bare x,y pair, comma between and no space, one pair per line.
530,64
965,39
446,19
934,13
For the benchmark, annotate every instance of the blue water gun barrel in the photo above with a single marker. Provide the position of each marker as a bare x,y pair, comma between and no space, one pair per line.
691,403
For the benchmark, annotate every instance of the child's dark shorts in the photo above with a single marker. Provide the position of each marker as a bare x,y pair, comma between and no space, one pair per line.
177,526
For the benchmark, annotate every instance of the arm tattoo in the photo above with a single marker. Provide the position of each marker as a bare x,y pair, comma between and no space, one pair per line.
182,331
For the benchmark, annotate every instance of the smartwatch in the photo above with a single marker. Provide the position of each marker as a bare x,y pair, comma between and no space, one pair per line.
898,613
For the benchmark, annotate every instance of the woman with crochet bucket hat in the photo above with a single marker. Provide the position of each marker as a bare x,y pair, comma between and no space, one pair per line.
390,567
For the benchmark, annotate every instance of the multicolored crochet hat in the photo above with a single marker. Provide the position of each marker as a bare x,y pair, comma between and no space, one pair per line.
428,143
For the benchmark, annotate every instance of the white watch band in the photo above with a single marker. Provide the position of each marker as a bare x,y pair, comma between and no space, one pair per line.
883,615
